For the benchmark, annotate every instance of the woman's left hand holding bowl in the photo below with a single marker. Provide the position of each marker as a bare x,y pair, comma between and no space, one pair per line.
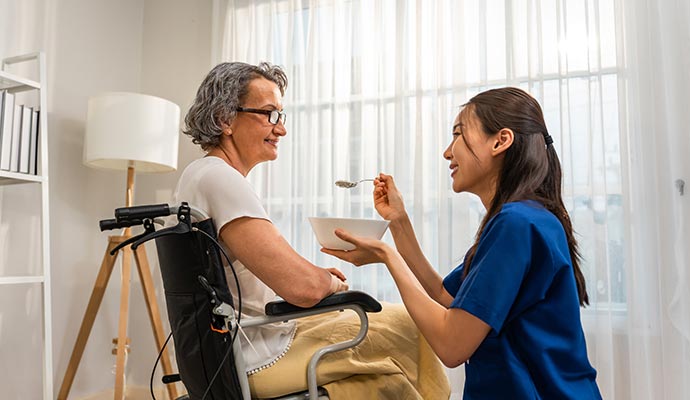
367,251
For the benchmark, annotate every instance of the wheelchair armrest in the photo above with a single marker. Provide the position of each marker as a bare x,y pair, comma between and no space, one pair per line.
282,311
368,303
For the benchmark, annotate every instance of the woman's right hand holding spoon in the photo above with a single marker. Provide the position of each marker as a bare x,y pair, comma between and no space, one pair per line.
387,198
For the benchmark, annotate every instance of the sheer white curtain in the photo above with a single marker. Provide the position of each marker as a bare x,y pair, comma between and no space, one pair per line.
375,85
655,119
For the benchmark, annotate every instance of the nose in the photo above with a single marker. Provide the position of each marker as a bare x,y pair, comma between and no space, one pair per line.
279,128
448,153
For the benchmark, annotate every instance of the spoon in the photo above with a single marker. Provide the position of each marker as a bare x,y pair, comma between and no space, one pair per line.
350,185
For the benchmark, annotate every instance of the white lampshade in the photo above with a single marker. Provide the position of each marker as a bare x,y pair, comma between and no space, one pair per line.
131,129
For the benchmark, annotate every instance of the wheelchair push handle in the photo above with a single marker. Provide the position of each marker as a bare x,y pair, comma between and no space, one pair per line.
145,215
141,212
126,217
157,210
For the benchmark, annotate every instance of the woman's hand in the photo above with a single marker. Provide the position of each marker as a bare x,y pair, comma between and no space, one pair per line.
337,273
367,251
387,198
338,279
337,284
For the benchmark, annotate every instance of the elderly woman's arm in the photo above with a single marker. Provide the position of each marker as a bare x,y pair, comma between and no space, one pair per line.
258,245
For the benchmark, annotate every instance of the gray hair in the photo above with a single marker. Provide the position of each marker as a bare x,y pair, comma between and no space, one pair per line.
221,92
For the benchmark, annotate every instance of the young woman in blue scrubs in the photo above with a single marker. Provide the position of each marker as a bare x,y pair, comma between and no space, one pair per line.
511,311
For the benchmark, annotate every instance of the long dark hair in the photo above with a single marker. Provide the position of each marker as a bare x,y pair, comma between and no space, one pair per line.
531,169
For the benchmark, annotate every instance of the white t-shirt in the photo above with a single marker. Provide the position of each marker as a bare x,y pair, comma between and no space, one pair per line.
219,189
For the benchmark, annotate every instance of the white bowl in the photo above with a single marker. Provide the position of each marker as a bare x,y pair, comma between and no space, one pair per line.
324,229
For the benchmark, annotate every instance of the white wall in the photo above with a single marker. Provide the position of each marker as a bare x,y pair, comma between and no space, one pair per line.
176,57
96,47
155,47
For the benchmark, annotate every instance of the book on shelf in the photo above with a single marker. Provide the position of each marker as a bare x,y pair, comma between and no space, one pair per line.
16,137
6,117
33,152
25,139
2,107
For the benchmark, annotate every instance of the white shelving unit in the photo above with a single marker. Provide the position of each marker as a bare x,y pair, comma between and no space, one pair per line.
18,84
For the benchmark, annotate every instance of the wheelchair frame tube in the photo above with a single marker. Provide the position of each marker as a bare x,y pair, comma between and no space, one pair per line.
241,370
311,369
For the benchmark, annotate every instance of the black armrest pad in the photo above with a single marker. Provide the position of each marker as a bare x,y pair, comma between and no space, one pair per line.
368,303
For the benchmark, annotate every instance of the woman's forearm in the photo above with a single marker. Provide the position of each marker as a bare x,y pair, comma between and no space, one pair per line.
408,246
454,334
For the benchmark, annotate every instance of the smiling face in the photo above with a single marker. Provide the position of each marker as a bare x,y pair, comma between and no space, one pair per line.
475,157
253,139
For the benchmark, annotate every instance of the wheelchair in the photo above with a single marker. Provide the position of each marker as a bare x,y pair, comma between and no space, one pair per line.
203,317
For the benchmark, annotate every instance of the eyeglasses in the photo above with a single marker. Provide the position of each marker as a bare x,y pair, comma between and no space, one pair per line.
273,115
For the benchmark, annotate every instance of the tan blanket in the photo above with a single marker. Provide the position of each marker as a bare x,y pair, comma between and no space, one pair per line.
393,362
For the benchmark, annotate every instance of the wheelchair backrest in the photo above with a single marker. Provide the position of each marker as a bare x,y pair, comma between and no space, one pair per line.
200,346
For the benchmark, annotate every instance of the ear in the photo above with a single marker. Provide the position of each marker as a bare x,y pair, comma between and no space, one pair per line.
227,129
502,141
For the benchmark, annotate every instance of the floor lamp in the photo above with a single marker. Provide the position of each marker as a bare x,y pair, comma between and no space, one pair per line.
126,131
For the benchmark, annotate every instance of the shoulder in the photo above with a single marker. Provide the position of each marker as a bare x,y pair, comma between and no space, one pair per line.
212,172
212,180
526,214
213,168
220,190
524,220
533,225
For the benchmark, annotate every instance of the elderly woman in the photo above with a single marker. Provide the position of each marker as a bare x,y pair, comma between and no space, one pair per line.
237,119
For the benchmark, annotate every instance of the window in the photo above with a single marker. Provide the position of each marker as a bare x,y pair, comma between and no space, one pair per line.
375,85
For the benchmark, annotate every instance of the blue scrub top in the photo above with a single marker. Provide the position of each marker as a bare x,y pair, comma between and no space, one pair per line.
522,285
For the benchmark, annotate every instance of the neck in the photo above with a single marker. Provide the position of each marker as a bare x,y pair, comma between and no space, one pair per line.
230,156
486,201
487,194
487,190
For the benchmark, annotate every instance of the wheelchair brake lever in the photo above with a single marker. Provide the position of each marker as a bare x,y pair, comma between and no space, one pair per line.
180,228
183,226
109,224
183,216
148,226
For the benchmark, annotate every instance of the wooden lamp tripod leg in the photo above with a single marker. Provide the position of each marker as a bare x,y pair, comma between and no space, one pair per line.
122,324
95,303
89,318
